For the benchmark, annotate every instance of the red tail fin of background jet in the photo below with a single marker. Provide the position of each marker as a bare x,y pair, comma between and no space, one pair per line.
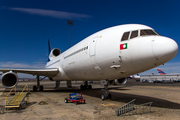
161,72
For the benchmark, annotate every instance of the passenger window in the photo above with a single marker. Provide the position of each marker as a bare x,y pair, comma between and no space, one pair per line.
125,36
134,34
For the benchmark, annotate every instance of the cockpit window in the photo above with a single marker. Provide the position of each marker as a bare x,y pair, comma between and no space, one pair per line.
134,34
137,33
147,32
125,36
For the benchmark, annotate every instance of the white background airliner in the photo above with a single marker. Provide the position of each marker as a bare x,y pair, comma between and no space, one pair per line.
111,54
161,77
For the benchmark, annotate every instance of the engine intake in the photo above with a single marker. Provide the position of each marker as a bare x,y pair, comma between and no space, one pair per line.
121,81
9,79
54,53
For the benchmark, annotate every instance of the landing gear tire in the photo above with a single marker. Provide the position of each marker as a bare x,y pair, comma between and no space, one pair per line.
66,100
103,97
109,96
89,86
106,94
83,87
38,87
41,88
34,88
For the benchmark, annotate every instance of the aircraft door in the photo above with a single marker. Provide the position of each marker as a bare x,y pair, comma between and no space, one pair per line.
92,50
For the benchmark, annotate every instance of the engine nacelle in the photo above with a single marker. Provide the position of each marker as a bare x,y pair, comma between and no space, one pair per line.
9,79
54,53
121,81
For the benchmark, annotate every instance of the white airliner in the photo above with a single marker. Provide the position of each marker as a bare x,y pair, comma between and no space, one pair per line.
112,54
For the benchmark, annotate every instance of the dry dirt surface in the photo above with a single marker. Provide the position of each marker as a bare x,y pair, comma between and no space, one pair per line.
165,98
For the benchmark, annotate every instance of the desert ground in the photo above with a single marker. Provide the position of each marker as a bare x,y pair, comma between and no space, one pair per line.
165,98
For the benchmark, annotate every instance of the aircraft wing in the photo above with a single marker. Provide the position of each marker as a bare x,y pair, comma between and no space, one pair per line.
48,72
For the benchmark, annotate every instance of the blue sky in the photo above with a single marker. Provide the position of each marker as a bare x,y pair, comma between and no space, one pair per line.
26,25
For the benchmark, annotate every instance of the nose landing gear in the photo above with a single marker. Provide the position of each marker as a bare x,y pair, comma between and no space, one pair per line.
105,94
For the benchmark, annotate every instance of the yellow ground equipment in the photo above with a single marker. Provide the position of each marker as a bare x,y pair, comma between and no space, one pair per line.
17,100
4,93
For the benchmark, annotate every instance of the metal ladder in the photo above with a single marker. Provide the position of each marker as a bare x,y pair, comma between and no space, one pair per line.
5,92
17,99
130,109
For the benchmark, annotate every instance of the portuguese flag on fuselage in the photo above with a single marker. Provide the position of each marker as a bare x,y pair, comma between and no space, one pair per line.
123,46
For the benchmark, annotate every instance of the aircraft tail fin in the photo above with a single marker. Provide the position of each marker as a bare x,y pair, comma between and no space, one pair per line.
49,46
161,72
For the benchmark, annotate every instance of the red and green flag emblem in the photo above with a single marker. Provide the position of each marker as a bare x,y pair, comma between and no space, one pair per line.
123,46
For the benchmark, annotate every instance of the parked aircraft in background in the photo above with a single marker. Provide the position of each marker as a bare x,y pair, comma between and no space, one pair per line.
161,72
111,55
161,77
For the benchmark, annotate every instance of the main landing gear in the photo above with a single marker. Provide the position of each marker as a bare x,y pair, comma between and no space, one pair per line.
85,86
38,87
106,94
57,85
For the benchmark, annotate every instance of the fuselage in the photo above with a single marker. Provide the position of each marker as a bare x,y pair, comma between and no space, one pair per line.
114,53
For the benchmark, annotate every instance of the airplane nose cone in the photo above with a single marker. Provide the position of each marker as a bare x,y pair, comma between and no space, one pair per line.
164,48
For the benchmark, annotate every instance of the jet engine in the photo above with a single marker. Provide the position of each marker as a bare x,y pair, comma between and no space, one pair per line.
54,53
9,79
121,81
